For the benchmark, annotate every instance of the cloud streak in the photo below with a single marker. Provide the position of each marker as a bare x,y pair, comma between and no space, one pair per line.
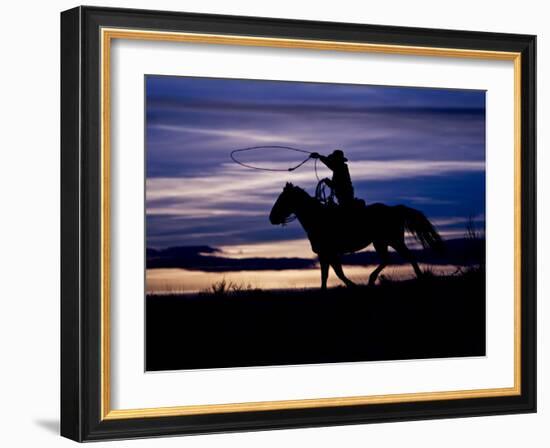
233,185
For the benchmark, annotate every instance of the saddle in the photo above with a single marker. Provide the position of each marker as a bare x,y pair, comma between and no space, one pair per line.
344,209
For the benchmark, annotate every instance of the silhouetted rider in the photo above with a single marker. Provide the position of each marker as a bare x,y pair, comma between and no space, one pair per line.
341,180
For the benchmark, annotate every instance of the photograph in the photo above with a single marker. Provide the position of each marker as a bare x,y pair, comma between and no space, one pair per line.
291,223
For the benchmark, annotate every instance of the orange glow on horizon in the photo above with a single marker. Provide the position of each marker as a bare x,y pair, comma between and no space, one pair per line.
173,280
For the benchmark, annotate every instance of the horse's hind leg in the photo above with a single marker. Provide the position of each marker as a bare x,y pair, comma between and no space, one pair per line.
382,250
337,266
405,252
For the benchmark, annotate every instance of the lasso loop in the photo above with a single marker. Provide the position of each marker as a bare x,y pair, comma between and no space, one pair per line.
252,148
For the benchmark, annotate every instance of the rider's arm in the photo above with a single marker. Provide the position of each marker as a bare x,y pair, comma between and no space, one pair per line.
327,162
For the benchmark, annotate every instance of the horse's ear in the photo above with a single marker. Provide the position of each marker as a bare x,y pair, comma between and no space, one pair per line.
288,185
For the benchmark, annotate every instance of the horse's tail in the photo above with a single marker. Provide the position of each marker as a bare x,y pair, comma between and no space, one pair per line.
421,228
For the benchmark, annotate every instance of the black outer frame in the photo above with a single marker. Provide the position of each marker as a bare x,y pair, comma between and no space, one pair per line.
80,223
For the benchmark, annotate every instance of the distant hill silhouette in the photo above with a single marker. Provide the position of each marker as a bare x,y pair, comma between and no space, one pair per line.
460,252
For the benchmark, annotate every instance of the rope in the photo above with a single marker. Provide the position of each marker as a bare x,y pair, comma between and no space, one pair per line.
320,192
316,173
252,148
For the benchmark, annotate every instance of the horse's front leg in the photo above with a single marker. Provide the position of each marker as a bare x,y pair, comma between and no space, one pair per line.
324,272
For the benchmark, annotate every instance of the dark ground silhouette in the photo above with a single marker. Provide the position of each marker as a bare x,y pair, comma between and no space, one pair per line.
434,317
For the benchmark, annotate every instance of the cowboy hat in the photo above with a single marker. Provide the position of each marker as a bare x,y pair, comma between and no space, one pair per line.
338,155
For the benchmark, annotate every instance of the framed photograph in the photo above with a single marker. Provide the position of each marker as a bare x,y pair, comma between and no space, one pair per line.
274,223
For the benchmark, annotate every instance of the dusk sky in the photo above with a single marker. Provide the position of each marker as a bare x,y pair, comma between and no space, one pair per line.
421,147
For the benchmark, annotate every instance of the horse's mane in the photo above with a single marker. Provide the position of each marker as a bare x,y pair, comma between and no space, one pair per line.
300,191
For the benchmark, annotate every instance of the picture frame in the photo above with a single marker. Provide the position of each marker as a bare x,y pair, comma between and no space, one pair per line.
86,206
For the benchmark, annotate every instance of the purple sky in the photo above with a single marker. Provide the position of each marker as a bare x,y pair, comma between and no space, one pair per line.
415,146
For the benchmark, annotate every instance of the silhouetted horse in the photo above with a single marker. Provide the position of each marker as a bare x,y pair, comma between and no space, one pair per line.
334,231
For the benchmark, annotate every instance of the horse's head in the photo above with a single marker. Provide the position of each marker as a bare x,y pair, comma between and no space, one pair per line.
285,205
